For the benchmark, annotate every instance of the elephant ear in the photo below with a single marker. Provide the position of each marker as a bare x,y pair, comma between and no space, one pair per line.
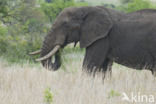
96,25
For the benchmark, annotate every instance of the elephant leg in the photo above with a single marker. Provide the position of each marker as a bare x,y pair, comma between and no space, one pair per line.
153,72
95,56
153,69
107,68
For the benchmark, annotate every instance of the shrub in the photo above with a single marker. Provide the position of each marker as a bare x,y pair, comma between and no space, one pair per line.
125,1
48,96
54,8
3,39
135,5
26,25
139,4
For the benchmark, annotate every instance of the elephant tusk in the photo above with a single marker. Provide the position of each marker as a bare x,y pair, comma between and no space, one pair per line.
35,52
49,54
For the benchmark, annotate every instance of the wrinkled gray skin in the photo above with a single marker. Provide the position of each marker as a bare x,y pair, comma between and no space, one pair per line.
108,36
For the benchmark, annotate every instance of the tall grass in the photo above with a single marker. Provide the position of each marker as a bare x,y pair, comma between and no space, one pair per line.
25,84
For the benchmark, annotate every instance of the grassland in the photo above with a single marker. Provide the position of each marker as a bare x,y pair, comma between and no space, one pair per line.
26,84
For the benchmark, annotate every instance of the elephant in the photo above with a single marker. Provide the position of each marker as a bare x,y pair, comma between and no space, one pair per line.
109,36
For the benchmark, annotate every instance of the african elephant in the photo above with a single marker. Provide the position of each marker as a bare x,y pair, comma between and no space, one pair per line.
107,35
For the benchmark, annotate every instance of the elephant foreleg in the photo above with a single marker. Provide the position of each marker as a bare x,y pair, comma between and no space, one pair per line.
96,56
107,68
153,72
153,69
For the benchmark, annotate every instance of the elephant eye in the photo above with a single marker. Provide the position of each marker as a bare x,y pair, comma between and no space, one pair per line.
65,23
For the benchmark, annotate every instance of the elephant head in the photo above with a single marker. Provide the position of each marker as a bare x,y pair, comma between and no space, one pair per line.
75,24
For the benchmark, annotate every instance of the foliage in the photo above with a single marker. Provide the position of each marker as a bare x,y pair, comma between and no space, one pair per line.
48,96
24,23
25,28
113,93
139,4
135,5
125,1
54,8
3,31
109,6
4,9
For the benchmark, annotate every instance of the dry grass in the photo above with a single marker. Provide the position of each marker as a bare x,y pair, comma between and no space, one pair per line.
26,85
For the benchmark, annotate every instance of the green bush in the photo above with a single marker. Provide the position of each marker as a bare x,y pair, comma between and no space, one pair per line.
125,1
26,25
113,94
3,30
17,48
54,8
3,45
48,96
139,4
135,5
3,40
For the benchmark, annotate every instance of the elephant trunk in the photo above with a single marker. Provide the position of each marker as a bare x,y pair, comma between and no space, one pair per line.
50,49
46,59
48,64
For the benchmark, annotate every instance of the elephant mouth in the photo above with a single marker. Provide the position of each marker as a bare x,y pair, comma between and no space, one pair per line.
51,61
